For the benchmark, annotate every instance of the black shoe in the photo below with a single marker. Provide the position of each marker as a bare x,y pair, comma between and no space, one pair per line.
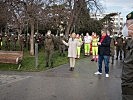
52,65
72,68
63,55
47,65
92,59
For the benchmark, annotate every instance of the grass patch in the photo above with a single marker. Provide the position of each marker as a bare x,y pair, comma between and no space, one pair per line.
28,63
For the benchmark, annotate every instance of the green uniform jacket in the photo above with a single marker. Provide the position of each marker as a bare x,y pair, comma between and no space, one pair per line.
119,41
127,72
49,43
112,47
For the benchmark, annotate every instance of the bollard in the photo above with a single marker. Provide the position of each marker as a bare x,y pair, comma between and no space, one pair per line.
36,55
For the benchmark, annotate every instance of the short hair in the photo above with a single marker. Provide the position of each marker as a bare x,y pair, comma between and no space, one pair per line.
104,30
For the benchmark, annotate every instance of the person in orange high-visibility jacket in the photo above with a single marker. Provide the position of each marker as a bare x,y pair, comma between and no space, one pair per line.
91,42
95,40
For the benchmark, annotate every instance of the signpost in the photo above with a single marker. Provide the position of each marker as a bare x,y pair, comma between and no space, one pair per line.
36,55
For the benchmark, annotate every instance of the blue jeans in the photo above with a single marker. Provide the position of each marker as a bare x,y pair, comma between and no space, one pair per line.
106,63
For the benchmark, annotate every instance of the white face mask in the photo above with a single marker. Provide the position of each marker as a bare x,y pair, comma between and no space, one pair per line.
125,30
48,33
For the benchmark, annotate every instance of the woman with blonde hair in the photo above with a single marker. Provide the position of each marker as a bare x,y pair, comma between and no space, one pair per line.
72,49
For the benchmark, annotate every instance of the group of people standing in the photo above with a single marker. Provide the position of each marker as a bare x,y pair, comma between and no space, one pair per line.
103,47
100,49
18,42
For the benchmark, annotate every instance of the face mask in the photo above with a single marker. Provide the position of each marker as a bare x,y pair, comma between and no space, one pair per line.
125,31
108,34
87,34
111,36
48,33
130,30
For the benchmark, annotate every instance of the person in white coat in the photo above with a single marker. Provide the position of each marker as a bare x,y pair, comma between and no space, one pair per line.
72,49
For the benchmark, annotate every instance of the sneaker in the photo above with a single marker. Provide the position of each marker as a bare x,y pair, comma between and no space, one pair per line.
107,75
97,73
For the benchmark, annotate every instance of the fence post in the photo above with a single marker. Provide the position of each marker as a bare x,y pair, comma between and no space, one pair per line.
36,55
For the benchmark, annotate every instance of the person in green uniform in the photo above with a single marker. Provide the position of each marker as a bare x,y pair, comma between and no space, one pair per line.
127,70
49,49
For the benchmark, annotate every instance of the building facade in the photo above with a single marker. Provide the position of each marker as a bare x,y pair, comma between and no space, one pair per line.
118,21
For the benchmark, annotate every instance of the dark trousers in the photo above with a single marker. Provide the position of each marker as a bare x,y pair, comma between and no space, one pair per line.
124,51
49,57
112,59
62,49
102,58
127,93
127,97
119,50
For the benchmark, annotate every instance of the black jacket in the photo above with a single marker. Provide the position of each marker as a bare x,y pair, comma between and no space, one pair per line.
104,48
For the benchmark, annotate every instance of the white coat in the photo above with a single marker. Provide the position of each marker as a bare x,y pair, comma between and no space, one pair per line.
72,47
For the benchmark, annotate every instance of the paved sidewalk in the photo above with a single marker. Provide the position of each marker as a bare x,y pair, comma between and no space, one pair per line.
61,84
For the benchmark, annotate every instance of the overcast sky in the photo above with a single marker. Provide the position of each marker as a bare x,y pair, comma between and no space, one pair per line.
123,6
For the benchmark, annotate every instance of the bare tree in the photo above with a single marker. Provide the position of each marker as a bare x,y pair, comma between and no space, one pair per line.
23,11
33,10
3,15
15,8
76,11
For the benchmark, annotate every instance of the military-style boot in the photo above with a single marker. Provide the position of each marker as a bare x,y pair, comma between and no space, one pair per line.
63,55
112,60
46,65
93,59
52,65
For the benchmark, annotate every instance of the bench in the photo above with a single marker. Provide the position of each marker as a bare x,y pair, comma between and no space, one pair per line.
11,57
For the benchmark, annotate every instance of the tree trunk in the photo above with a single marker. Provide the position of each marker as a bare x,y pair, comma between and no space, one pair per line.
78,5
32,38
